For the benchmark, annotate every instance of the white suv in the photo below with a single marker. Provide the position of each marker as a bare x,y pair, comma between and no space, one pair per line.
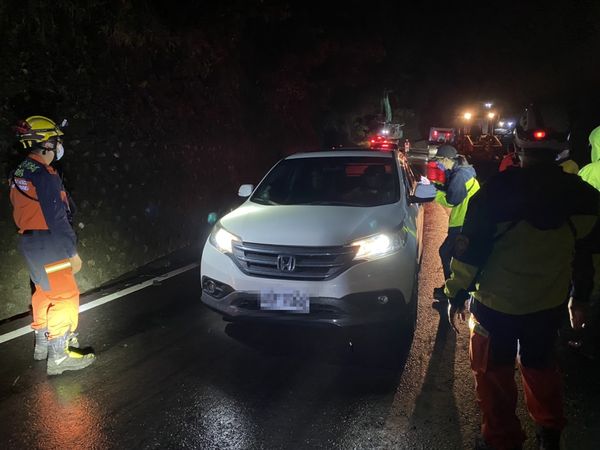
325,238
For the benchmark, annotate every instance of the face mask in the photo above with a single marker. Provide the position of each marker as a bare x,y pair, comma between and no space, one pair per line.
60,151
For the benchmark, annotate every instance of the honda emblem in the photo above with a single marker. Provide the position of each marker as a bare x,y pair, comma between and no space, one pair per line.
286,263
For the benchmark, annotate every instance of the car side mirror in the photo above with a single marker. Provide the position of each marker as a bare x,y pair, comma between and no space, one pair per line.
424,193
245,190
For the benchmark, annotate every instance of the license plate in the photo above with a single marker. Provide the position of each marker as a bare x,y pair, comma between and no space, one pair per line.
285,300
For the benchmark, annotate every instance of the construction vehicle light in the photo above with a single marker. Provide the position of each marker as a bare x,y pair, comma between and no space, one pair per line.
539,134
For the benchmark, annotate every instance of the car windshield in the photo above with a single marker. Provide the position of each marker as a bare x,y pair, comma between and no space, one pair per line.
335,181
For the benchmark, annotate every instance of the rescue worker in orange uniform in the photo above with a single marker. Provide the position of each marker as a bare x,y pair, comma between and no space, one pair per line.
528,235
48,244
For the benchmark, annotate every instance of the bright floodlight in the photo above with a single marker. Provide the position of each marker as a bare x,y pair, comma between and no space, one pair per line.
491,115
501,124
468,116
488,105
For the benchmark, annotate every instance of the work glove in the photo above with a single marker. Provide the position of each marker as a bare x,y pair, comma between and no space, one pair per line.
457,309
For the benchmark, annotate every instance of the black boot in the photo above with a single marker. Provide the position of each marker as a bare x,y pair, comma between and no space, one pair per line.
61,357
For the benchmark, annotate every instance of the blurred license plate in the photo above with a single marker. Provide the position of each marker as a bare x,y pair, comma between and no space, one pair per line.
285,300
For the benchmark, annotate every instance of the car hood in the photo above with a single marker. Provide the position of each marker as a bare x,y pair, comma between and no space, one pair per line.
310,225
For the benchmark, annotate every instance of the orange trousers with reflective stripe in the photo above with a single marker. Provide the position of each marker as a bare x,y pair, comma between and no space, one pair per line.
493,351
58,308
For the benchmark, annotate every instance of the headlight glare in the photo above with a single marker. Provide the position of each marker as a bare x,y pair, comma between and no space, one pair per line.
376,246
223,240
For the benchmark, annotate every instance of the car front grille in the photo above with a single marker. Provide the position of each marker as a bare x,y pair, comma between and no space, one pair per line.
292,263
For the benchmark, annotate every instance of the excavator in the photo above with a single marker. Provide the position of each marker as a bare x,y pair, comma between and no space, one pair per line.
390,134
475,137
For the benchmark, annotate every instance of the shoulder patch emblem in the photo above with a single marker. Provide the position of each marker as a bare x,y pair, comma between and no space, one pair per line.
26,165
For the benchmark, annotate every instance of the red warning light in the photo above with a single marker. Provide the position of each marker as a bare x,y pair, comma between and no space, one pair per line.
539,134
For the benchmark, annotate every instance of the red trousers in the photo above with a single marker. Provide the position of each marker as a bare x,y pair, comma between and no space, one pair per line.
58,308
495,338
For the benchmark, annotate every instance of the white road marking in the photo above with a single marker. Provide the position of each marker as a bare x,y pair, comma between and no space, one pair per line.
108,298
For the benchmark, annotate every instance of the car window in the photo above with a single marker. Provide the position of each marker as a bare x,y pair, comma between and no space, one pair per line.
409,177
342,181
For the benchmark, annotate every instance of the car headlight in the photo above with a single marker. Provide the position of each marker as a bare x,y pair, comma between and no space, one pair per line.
376,246
223,239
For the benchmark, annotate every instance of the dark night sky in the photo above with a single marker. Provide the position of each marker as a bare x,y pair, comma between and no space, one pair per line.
314,59
515,47
510,51
440,57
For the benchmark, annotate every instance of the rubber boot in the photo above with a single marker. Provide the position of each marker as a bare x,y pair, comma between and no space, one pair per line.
62,358
40,346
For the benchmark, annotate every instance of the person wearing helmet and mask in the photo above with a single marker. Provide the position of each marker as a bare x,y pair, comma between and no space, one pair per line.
525,247
48,244
454,192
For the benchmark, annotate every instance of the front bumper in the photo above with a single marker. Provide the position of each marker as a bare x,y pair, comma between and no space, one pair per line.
352,310
367,293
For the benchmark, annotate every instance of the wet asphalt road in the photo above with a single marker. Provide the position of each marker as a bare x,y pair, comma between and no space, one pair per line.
171,374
